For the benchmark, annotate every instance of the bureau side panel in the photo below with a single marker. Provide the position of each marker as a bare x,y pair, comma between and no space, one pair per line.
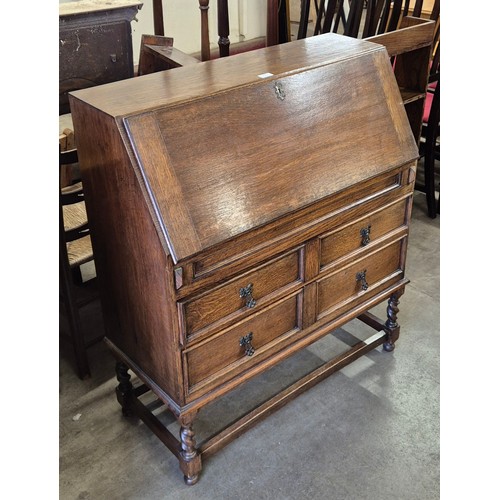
134,272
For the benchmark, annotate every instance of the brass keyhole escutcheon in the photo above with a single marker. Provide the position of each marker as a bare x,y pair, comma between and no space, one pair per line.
361,276
280,92
246,342
246,292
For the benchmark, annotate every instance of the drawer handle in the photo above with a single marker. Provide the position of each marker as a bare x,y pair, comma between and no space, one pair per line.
362,277
246,342
365,236
246,292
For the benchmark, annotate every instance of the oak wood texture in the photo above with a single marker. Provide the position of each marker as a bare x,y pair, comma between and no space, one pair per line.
226,303
362,232
215,227
411,45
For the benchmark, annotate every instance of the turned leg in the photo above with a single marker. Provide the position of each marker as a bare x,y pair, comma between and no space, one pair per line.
391,325
189,456
124,388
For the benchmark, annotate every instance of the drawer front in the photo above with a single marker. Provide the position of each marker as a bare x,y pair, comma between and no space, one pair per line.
236,349
361,279
242,295
362,233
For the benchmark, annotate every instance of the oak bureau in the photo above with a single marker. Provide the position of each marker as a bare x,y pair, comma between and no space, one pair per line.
241,209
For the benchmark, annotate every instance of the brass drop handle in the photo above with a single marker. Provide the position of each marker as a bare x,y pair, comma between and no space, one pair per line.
365,235
246,342
246,292
361,276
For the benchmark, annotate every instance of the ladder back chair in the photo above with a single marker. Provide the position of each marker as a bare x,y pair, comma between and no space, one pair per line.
75,249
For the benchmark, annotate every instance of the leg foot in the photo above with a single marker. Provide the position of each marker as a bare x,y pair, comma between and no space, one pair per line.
124,389
391,325
388,346
191,480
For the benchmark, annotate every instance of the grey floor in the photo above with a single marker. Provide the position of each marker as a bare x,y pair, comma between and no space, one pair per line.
370,431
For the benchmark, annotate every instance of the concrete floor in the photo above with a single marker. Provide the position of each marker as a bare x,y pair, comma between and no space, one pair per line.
370,431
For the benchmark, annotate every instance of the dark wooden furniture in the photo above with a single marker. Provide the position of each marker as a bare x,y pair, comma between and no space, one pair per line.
95,44
75,249
430,146
362,18
411,47
238,218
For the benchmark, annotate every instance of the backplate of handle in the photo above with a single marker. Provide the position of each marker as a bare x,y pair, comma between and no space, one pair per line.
246,342
246,292
361,277
365,235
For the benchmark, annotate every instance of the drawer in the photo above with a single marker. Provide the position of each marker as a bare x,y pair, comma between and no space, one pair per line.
237,348
242,295
362,279
362,233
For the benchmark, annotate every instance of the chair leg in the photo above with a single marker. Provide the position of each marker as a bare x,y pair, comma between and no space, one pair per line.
76,273
430,187
77,339
79,349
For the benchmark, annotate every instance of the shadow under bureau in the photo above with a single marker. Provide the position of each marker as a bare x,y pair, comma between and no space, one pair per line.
241,209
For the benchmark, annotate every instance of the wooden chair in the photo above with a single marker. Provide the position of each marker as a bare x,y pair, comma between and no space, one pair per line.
380,16
362,18
429,139
333,18
75,249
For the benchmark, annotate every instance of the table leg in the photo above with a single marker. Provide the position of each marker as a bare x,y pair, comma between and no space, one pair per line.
189,457
391,325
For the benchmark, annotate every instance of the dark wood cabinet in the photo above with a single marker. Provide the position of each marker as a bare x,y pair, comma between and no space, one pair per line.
241,209
95,44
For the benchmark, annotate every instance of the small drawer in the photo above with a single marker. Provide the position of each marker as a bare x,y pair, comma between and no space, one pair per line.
237,348
242,295
361,279
362,233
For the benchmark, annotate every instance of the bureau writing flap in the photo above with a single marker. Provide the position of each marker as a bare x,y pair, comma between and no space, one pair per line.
220,165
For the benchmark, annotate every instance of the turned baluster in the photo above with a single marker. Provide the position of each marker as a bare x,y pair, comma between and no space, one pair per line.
272,35
392,327
158,18
189,456
205,40
223,27
124,388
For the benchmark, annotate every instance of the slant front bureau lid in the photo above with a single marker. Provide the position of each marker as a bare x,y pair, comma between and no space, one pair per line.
221,163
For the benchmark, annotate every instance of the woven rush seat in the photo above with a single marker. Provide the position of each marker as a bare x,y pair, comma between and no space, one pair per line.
75,216
80,251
